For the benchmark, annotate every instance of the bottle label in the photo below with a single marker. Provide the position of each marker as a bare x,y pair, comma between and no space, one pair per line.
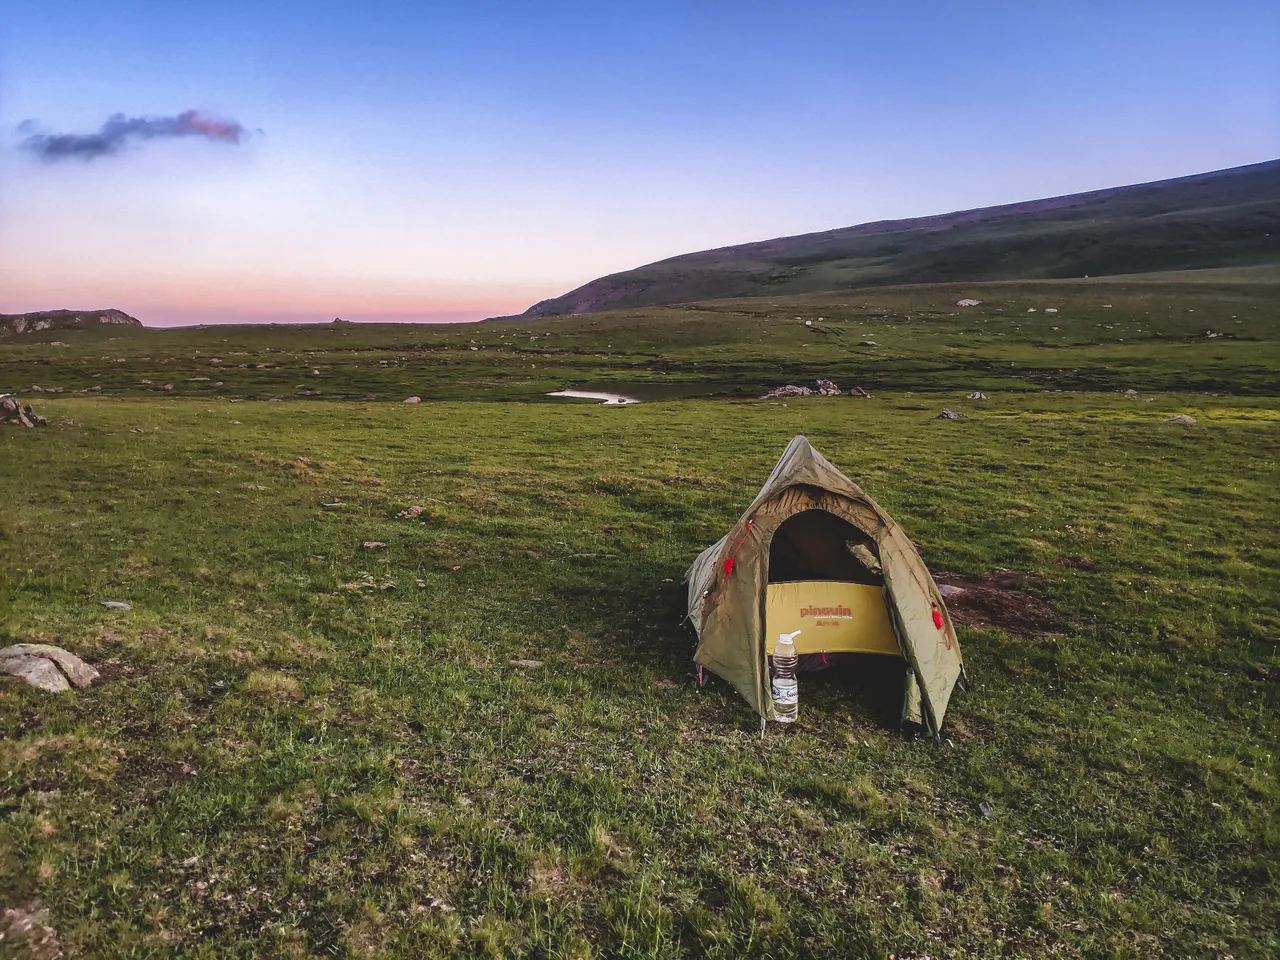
786,692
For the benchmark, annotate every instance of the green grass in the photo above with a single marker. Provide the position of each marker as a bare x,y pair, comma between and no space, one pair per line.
304,748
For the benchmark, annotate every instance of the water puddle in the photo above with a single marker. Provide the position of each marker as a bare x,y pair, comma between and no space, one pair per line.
607,398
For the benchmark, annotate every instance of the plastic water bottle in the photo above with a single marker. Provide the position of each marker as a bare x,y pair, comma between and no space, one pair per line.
786,692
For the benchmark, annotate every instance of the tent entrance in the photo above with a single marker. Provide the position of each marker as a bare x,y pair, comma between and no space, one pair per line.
816,545
824,581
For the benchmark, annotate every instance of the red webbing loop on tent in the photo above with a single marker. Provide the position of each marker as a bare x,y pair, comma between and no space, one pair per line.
937,619
729,562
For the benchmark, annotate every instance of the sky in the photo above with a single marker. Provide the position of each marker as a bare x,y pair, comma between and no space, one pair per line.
384,160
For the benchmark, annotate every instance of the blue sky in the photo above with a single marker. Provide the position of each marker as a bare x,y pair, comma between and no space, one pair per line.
436,161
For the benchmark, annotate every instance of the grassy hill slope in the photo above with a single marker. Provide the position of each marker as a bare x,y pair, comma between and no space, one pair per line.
1221,219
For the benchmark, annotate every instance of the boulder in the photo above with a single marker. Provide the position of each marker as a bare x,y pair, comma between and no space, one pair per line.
13,411
1181,418
948,415
46,667
413,400
790,390
826,388
967,302
977,395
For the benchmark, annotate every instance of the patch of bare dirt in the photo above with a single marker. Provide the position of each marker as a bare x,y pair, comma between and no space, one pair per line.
996,601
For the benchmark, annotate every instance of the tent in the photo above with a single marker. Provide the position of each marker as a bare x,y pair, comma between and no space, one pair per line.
812,537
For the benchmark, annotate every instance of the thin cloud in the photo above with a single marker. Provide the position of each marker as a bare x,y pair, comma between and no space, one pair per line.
119,130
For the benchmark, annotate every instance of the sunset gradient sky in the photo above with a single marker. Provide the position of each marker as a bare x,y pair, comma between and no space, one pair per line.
453,161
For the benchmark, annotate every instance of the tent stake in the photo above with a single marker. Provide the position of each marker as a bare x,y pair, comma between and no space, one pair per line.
762,723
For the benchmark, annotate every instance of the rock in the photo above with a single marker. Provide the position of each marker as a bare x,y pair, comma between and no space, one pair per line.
308,393
967,302
116,605
527,664
866,343
167,386
25,929
1050,309
827,389
948,415
858,392
949,590
790,390
37,671
1181,418
414,511
413,400
1131,393
46,667
977,395
13,411
373,545
986,809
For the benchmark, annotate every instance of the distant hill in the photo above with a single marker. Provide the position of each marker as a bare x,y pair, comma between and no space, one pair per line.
1223,219
14,324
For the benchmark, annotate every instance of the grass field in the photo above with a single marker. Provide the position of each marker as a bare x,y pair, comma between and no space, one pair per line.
301,747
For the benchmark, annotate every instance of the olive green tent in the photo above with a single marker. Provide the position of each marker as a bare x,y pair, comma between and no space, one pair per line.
810,521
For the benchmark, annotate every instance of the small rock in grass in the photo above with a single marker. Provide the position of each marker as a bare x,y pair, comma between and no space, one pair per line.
526,663
967,302
373,545
116,605
977,395
948,414
986,809
1181,418
26,929
46,667
413,400
409,514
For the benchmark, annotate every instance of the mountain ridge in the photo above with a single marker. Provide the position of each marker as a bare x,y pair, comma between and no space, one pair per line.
1221,218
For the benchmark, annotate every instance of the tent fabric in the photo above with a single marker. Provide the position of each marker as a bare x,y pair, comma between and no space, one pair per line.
728,583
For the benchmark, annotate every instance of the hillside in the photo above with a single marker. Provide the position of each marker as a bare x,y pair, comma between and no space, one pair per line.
1222,219
13,324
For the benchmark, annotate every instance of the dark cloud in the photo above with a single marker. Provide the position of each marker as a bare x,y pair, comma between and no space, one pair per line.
120,129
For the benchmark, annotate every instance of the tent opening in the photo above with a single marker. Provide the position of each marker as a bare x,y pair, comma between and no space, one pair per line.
824,581
816,545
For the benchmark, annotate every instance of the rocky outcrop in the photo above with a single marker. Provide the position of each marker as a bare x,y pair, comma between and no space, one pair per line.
17,324
14,412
